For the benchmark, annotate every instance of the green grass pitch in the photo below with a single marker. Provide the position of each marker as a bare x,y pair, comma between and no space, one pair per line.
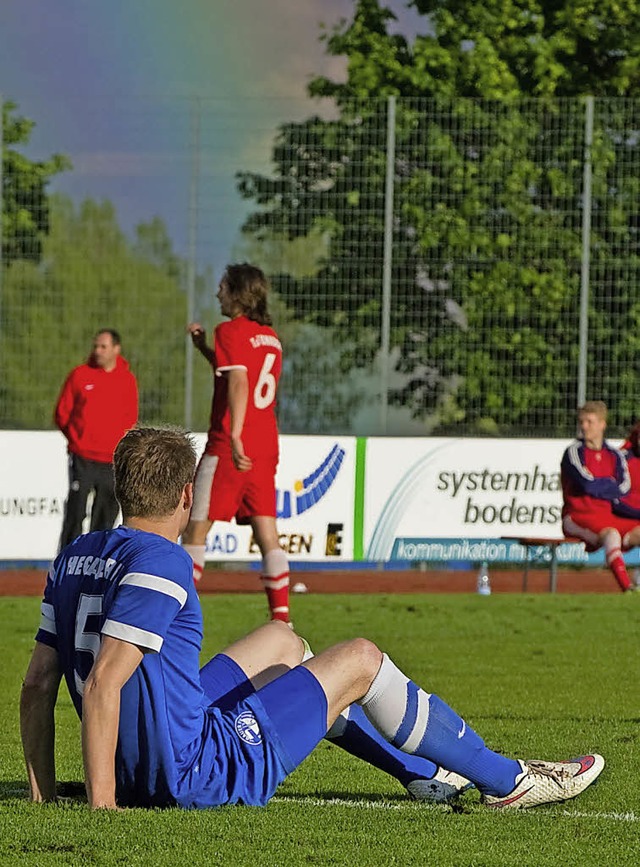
537,676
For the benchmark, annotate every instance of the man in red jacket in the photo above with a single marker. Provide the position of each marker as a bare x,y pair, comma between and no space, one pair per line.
97,405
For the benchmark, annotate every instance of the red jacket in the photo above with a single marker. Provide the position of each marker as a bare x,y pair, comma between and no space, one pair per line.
592,479
96,408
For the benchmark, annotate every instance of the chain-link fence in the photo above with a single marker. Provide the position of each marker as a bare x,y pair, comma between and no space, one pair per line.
469,267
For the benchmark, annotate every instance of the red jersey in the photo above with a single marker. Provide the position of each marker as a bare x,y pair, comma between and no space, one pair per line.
247,345
95,409
592,479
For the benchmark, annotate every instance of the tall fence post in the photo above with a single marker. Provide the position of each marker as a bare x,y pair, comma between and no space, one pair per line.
586,252
191,258
385,334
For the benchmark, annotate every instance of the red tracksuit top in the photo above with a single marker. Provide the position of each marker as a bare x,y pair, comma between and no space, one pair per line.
96,408
592,479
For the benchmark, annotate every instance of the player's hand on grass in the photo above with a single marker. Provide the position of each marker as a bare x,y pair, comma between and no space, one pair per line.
241,461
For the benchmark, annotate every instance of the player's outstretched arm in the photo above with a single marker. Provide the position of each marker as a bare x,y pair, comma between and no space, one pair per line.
37,726
114,665
199,340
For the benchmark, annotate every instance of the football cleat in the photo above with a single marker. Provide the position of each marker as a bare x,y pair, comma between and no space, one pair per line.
548,782
443,787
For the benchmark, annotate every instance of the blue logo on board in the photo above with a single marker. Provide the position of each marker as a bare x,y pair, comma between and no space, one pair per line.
307,491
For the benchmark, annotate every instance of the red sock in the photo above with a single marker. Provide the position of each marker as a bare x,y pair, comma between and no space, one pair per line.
616,564
277,590
275,580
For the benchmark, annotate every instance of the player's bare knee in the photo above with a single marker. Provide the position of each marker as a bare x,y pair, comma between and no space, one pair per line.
290,646
366,656
612,535
631,539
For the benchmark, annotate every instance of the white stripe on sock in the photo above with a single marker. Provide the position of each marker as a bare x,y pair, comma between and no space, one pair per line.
417,733
385,705
270,584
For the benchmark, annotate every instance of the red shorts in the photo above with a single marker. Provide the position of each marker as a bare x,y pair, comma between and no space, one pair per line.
588,527
221,492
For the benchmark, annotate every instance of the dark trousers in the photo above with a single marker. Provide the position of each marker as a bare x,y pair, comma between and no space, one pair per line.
86,476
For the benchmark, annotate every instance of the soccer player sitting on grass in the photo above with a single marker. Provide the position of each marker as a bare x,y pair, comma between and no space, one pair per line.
121,620
595,479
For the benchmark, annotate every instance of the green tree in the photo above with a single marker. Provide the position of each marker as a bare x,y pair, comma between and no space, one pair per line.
93,276
488,191
25,207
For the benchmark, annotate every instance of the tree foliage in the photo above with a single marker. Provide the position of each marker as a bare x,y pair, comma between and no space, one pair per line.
92,276
25,207
488,199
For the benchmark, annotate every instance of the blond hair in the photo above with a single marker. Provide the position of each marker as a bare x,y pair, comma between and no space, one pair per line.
597,407
151,467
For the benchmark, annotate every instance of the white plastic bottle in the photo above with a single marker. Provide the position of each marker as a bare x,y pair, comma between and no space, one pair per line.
483,586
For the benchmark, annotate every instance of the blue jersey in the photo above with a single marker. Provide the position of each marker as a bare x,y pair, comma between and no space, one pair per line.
187,737
137,587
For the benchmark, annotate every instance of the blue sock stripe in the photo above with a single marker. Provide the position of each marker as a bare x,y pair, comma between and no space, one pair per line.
410,716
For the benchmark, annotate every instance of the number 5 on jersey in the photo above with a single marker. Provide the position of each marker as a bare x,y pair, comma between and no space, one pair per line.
86,641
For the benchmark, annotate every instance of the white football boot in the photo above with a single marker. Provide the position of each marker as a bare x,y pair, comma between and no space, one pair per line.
442,788
548,782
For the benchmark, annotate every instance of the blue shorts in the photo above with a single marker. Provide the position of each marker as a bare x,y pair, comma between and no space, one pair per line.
253,740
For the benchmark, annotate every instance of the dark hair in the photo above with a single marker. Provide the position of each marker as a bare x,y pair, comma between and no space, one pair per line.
634,439
151,466
115,336
249,288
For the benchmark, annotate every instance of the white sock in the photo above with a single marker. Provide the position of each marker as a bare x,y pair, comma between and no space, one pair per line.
196,552
307,653
275,563
397,708
612,543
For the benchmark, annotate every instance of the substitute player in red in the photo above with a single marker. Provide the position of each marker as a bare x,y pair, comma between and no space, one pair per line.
595,479
236,475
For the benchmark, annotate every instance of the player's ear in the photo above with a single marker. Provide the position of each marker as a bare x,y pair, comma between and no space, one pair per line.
187,501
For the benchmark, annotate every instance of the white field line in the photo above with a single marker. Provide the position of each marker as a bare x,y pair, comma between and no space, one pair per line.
616,817
386,806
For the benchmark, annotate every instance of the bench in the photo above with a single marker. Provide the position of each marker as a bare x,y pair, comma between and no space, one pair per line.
549,547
